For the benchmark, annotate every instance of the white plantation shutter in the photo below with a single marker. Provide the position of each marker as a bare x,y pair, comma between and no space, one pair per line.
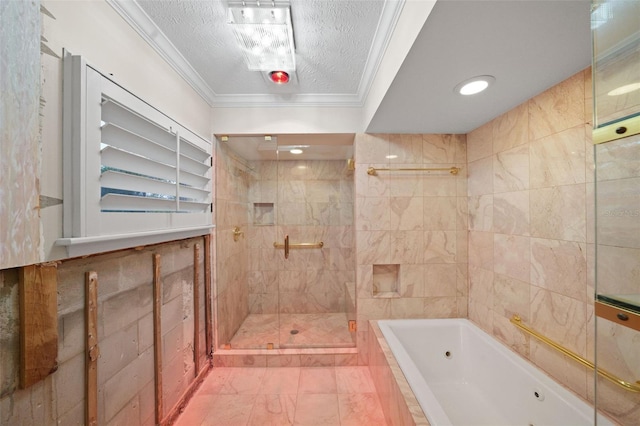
130,170
146,168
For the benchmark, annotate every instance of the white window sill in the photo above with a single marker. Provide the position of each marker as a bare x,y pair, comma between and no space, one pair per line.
83,246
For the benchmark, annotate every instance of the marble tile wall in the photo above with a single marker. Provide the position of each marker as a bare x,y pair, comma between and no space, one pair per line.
531,241
312,201
415,220
231,283
398,402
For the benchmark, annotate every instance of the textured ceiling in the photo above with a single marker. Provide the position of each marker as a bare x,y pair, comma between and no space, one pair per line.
528,45
333,44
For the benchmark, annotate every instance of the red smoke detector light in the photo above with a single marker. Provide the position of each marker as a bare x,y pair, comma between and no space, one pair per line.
279,77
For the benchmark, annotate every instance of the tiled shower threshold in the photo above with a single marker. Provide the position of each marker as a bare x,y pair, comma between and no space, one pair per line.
298,357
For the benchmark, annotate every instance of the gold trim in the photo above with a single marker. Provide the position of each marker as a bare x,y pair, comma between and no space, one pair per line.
319,244
237,233
632,387
372,171
618,315
614,131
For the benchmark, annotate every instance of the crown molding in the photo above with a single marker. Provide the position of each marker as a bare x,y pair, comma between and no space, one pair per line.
135,16
391,12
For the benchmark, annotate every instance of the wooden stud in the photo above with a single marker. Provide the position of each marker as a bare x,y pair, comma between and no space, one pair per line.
207,296
196,308
38,305
91,346
157,336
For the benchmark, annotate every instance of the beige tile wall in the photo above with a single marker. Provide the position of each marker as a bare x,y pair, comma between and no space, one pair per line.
414,220
530,170
313,201
233,177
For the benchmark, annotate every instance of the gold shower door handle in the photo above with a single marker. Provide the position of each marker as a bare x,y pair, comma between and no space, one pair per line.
286,246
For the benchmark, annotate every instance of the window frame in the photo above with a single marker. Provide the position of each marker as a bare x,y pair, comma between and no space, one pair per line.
86,228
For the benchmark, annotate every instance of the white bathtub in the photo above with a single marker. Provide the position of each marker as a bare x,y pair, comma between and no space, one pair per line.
462,376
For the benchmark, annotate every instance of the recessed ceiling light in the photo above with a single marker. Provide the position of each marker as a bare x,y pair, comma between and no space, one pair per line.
296,151
391,157
623,90
474,85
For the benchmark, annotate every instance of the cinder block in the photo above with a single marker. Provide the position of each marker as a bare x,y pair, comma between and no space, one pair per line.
129,415
172,344
145,333
147,398
71,335
124,386
116,352
118,312
171,314
69,381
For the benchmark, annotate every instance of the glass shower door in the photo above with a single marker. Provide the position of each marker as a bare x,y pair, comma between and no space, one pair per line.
316,265
616,81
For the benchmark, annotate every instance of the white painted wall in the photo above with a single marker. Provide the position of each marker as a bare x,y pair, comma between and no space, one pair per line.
93,29
286,120
412,19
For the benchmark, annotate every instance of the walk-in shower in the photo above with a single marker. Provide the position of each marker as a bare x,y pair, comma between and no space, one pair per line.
285,245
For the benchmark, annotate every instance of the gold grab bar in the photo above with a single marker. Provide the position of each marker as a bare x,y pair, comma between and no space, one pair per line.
287,246
633,387
372,171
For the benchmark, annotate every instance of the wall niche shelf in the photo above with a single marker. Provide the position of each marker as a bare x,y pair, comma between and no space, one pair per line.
263,214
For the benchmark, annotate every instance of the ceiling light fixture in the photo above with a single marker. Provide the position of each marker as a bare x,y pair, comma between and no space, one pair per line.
474,85
296,151
623,90
264,34
279,77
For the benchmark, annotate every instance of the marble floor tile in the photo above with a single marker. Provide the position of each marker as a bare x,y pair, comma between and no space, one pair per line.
273,410
294,331
282,380
354,380
317,409
360,409
315,380
327,396
229,410
243,381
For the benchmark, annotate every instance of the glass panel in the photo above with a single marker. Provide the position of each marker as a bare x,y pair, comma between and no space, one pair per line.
616,73
618,219
617,275
315,210
264,299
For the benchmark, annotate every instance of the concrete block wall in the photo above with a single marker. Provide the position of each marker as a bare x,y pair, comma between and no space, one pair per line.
126,379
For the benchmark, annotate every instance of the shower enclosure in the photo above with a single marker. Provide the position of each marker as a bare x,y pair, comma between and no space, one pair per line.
616,81
285,245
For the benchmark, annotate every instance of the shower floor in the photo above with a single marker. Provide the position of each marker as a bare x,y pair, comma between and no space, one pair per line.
313,331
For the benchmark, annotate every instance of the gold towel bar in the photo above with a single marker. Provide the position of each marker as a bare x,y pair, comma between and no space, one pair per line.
372,171
633,387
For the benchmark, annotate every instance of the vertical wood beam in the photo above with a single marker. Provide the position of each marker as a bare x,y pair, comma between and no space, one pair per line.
157,336
207,296
91,346
38,311
196,308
